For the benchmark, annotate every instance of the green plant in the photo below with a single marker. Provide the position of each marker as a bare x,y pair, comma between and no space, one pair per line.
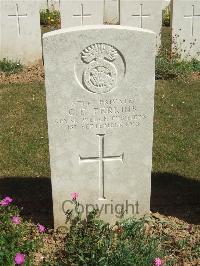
50,18
170,65
91,241
16,236
10,67
166,17
195,65
167,68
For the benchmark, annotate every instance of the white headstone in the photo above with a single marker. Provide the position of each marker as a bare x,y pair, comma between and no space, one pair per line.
54,4
43,4
80,13
100,101
186,28
111,11
50,4
20,31
143,14
165,3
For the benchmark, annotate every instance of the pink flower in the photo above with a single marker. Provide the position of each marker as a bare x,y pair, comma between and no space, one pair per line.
6,201
74,195
157,262
41,228
16,220
19,258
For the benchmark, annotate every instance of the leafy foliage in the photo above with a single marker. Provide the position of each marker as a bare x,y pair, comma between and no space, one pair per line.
10,67
16,238
166,17
91,241
49,18
169,65
172,68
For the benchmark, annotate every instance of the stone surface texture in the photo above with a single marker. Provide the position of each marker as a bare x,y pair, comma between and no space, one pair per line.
80,13
100,102
143,14
20,31
111,12
165,3
186,28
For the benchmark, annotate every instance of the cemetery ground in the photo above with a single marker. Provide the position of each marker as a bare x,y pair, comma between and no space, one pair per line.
171,233
175,184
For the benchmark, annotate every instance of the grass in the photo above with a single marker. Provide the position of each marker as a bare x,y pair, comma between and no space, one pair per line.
24,139
176,128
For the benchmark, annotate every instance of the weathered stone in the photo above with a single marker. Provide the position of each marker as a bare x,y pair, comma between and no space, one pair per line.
186,29
80,13
100,101
20,31
143,14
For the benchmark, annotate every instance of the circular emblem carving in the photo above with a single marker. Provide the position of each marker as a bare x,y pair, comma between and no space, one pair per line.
96,69
100,76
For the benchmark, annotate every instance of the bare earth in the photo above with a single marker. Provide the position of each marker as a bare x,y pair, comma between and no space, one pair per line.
29,74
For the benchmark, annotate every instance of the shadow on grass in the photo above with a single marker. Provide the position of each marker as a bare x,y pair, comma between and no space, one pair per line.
177,196
172,195
31,194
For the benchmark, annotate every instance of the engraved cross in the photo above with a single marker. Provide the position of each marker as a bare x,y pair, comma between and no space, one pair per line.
82,15
192,17
101,159
141,16
18,16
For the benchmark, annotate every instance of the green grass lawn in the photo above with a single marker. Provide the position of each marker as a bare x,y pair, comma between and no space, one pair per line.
24,138
176,128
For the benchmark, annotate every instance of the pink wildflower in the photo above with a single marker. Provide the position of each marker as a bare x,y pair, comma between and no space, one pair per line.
74,195
19,259
16,220
157,262
6,201
41,228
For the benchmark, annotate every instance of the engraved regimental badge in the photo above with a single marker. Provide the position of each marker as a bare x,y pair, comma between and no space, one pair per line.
100,64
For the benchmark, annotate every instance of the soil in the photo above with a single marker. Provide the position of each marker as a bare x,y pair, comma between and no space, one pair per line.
196,76
29,74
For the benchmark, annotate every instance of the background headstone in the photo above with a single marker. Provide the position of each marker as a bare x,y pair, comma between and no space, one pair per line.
165,3
43,4
111,12
50,4
143,14
54,4
20,31
80,13
186,29
100,101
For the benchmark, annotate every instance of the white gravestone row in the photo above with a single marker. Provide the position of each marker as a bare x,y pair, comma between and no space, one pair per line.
100,101
20,30
80,13
27,44
142,14
186,28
